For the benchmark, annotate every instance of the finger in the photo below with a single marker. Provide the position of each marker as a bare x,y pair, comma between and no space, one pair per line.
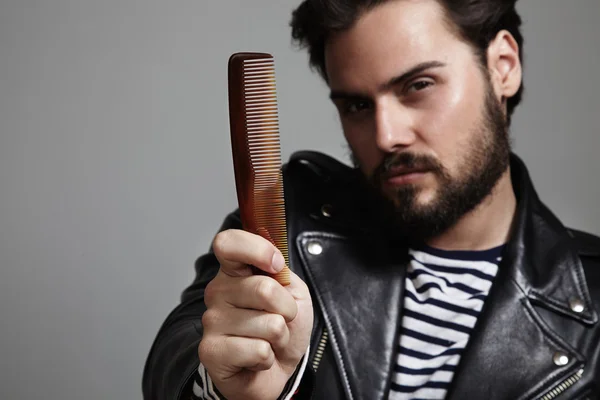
228,354
298,288
236,249
260,293
248,323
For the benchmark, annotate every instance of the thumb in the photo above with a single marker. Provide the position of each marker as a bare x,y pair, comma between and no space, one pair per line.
236,250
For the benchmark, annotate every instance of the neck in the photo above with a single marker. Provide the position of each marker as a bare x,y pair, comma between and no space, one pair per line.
486,226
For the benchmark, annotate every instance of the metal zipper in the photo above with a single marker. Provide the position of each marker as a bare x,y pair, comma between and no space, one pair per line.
561,387
320,350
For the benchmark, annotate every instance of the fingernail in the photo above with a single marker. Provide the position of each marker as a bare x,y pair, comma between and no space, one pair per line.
278,261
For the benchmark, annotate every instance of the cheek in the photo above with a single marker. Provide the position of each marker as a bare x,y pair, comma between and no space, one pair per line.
447,122
447,116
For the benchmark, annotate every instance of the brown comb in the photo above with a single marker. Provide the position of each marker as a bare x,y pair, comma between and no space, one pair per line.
256,151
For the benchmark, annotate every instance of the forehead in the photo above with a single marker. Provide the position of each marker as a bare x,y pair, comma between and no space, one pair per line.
388,39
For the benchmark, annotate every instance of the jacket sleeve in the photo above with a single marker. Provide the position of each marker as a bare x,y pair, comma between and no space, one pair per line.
173,358
172,369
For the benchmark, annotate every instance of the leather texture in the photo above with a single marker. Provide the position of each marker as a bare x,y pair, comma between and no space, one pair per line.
357,284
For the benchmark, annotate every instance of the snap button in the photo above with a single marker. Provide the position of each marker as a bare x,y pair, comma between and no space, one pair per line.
561,358
314,248
327,210
576,305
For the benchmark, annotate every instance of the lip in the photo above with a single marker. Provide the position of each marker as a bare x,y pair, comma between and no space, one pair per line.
404,177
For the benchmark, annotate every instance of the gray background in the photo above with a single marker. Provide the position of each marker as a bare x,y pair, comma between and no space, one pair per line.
115,166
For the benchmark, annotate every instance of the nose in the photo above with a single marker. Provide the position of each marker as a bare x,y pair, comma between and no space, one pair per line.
393,127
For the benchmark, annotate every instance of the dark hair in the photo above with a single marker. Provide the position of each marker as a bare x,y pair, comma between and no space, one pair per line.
477,22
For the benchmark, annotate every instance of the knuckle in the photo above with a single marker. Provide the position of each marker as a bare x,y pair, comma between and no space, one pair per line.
263,351
210,318
265,289
220,242
276,326
293,310
210,293
206,350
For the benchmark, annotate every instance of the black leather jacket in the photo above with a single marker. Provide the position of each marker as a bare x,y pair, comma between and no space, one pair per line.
538,336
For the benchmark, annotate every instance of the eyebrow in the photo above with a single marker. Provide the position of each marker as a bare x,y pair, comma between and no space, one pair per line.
417,69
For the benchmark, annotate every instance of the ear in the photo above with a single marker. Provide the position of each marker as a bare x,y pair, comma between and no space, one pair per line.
504,65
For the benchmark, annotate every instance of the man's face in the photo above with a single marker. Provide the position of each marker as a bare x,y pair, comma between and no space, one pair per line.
418,112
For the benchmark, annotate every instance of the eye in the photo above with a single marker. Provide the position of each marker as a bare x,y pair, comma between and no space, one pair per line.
419,85
352,107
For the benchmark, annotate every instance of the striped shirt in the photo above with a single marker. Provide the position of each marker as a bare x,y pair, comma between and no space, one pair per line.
204,389
444,294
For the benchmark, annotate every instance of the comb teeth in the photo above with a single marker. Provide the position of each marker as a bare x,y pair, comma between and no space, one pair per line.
262,140
262,122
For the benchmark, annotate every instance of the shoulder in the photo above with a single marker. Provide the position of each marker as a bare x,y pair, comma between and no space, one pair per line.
588,249
587,244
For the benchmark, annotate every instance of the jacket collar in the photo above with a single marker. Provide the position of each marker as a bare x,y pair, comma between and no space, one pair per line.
512,341
540,267
542,256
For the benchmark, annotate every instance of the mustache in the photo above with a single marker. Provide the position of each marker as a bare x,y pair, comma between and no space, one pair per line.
395,161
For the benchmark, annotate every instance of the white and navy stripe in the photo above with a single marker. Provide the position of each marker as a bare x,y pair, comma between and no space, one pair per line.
204,389
444,294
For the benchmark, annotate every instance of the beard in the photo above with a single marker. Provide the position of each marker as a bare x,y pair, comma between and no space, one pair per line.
483,164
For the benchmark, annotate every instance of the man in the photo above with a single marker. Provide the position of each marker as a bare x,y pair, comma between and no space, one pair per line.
429,271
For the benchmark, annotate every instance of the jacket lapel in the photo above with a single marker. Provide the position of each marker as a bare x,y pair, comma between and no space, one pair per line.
513,352
360,293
